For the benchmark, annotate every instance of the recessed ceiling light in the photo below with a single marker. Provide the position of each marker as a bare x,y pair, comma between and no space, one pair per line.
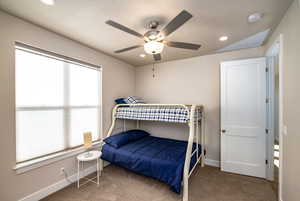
142,55
48,2
254,17
223,38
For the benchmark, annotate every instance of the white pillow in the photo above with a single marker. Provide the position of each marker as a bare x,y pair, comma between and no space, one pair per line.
134,100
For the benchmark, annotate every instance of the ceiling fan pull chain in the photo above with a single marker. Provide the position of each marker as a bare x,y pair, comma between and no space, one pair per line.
153,75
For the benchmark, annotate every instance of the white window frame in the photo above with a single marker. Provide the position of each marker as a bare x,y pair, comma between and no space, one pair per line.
39,161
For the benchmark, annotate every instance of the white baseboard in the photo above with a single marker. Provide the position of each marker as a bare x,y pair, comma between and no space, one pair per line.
44,192
211,162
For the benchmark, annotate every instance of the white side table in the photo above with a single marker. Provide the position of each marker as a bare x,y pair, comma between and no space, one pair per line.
85,157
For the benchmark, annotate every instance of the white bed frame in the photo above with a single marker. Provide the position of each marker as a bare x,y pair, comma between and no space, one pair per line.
196,132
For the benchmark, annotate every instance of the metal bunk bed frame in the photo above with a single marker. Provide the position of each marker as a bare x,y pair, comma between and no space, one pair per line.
195,133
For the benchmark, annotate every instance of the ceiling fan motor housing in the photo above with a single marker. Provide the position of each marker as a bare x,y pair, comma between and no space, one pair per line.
153,24
152,35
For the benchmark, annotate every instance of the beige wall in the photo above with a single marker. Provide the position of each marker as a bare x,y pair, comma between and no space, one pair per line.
118,80
194,80
290,28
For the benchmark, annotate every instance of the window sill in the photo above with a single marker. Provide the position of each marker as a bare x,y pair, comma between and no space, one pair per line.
40,162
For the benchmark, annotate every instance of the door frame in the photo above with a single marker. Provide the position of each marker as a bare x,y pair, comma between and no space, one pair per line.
270,140
270,115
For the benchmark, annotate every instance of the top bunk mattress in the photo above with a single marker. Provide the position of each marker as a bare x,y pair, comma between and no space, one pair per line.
175,114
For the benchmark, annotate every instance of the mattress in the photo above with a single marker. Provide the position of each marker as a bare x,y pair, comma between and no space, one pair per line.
175,114
159,158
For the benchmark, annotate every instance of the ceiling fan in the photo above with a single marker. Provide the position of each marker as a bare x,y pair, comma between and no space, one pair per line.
154,39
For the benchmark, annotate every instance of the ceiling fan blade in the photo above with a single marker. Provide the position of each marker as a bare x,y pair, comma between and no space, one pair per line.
127,49
178,21
183,45
157,57
123,28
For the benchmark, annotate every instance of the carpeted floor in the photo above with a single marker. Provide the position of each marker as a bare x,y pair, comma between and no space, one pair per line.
206,184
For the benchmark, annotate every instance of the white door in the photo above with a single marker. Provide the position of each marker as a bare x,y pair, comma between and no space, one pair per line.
243,117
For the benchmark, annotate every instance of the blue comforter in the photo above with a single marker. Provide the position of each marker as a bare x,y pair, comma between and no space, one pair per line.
155,157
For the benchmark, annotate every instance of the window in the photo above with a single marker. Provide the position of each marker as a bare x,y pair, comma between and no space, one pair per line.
56,101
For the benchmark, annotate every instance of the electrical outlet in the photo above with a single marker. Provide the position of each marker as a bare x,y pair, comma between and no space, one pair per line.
62,170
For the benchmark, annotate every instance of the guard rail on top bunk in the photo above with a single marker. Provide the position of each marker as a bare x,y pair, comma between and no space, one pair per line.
196,119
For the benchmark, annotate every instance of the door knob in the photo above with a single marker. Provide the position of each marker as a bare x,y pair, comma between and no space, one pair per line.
223,131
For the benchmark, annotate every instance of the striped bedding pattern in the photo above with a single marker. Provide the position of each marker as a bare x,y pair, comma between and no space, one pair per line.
175,114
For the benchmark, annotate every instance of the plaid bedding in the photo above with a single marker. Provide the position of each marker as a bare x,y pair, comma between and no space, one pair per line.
175,114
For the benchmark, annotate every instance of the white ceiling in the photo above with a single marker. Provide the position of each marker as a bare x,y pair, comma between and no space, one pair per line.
84,21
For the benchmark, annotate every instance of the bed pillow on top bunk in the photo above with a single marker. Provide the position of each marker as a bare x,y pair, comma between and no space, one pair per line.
120,101
134,100
126,137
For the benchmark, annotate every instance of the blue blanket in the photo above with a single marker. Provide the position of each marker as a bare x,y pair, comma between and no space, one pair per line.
155,157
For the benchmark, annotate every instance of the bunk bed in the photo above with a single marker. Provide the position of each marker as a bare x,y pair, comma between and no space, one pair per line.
168,160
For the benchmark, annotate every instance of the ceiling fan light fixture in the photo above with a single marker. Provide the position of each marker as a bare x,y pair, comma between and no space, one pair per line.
153,47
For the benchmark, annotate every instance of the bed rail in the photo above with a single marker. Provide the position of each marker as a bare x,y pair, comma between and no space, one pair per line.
196,135
114,112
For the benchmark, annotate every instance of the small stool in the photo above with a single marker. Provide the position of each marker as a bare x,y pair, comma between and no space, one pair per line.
86,157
